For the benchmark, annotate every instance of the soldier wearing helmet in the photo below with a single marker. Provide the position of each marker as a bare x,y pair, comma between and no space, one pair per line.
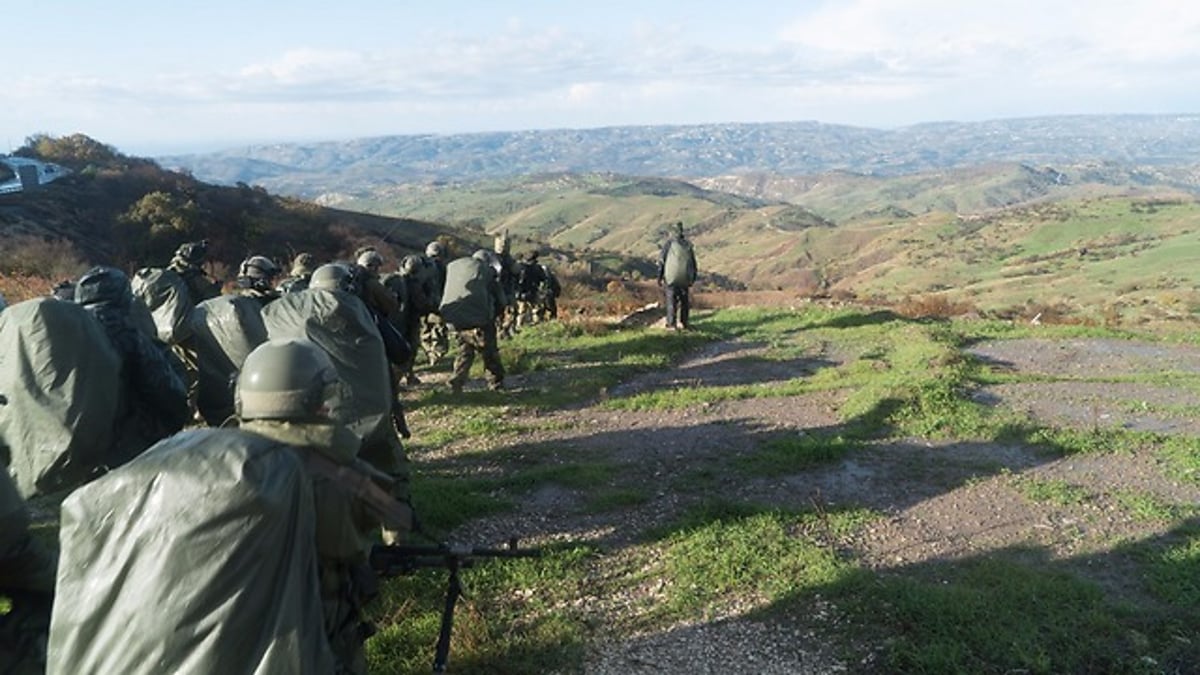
288,390
379,300
472,310
256,278
435,338
506,323
150,373
302,270
188,263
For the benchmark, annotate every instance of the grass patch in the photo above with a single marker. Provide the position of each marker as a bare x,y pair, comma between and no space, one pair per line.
996,616
781,456
1053,491
723,554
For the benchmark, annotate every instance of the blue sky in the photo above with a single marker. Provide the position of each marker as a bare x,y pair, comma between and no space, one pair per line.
162,77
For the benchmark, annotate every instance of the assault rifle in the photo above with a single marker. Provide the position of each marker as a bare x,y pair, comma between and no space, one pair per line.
393,560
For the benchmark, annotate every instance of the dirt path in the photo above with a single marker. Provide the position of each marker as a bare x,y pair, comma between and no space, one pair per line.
940,500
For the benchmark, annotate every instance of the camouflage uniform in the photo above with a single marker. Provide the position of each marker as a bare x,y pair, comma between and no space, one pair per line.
435,335
547,295
483,340
187,264
530,279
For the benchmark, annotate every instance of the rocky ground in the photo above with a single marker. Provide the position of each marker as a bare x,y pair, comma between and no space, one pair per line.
941,500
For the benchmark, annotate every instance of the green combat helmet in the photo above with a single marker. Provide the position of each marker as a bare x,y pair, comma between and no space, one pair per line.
287,379
335,277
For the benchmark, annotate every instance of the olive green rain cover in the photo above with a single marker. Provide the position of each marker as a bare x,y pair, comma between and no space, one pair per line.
60,383
225,329
199,556
466,301
165,293
342,325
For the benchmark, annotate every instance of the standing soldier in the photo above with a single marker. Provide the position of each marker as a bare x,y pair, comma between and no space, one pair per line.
677,273
472,305
507,321
530,279
548,292
435,339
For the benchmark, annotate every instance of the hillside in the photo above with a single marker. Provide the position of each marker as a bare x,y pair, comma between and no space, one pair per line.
129,212
1005,238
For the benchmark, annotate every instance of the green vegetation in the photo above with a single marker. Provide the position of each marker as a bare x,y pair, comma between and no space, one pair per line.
893,379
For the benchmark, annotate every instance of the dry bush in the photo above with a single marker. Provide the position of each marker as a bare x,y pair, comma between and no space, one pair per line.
19,287
1046,313
724,299
27,255
933,307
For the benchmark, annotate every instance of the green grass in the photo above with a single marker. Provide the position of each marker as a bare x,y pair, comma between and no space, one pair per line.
1053,491
790,454
992,615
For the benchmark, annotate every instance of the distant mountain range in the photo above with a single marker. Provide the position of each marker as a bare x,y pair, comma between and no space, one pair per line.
365,166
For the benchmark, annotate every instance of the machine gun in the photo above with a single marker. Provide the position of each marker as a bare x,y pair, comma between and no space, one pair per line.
393,560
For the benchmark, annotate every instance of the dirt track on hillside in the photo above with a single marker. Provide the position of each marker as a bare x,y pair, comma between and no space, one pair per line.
939,500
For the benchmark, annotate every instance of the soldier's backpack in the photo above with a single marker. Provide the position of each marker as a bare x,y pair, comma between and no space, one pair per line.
424,283
225,329
165,293
467,301
199,556
340,324
60,395
680,266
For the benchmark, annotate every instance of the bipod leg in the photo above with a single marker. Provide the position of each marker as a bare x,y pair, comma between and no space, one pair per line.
453,592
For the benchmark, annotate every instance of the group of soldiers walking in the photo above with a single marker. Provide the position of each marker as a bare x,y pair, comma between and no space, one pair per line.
289,386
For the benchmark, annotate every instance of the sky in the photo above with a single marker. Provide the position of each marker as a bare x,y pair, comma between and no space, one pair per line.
152,77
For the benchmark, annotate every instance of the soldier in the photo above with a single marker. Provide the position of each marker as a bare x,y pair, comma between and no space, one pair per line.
157,403
256,278
530,278
302,269
187,262
287,391
385,309
548,292
332,314
507,321
435,339
472,305
677,273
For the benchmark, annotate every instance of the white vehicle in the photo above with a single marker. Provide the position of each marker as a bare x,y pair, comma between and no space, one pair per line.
29,173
